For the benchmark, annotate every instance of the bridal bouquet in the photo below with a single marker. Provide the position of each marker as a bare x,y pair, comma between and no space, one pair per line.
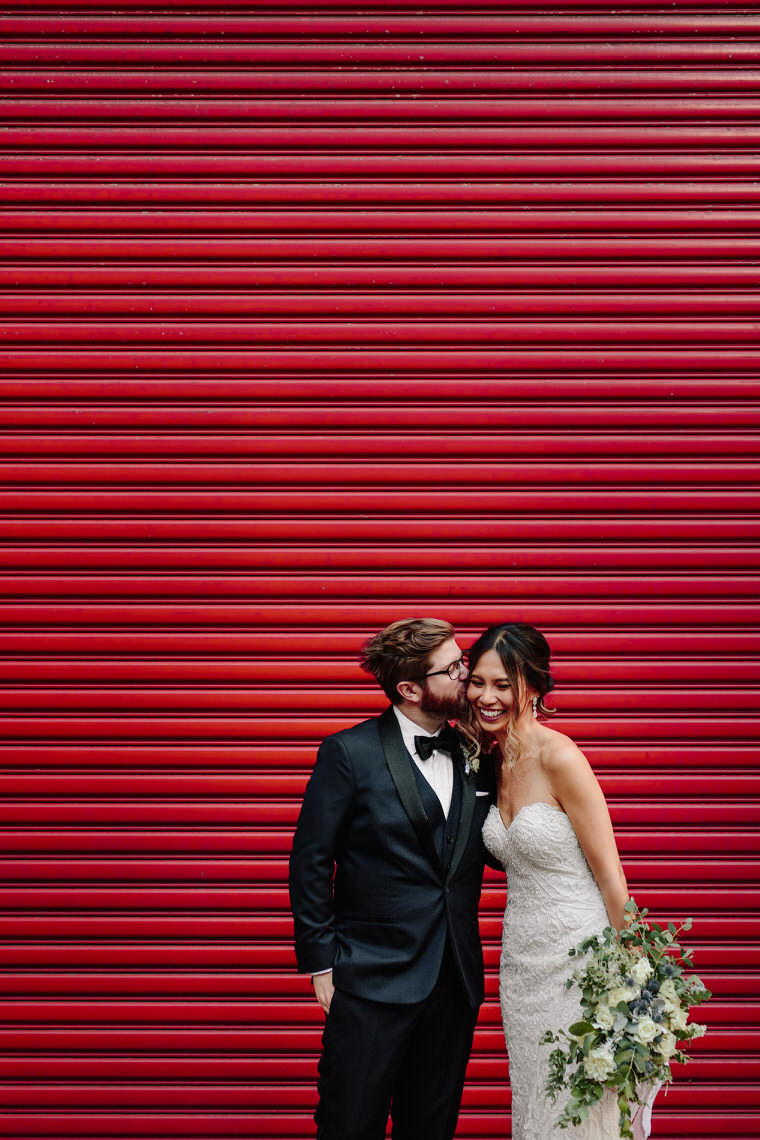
635,1002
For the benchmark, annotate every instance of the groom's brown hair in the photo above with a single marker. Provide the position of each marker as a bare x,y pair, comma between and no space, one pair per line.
401,652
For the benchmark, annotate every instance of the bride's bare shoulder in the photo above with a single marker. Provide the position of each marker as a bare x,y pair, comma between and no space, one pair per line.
560,755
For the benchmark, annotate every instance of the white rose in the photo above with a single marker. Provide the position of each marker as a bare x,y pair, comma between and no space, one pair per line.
645,1030
620,993
642,970
666,1046
599,1064
604,1018
677,1018
668,993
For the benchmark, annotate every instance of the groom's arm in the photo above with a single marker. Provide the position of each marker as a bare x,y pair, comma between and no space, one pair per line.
326,806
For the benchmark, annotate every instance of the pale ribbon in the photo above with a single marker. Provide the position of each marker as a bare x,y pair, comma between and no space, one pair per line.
642,1114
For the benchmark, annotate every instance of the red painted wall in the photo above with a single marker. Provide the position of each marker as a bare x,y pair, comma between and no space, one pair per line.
310,319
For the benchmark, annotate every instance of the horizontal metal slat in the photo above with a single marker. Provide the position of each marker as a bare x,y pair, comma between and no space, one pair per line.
256,556
278,164
406,137
383,360
615,388
368,615
311,192
451,109
370,6
379,303
340,445
366,26
662,273
310,220
228,954
683,78
326,586
369,333
700,500
346,52
504,525
348,471
312,646
237,408
437,248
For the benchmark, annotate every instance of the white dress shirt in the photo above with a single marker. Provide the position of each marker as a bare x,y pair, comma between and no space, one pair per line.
438,770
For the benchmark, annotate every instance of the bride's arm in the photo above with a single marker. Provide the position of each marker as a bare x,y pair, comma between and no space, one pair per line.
577,790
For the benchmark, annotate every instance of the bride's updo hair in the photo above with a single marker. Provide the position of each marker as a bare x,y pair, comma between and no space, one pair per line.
524,652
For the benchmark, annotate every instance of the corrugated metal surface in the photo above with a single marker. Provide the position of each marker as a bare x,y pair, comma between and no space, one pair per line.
310,319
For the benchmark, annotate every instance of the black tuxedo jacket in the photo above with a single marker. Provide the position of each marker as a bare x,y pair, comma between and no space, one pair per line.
369,893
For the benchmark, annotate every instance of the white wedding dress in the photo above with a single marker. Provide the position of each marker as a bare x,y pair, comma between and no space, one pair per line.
553,903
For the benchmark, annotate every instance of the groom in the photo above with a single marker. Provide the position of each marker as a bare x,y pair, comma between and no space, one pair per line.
385,878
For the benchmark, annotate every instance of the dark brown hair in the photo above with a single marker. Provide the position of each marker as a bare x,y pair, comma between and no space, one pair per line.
524,652
401,652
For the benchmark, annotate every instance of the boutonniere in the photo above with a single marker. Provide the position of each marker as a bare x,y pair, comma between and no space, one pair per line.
471,764
469,749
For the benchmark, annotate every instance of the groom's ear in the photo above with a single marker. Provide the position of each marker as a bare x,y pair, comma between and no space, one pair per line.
410,692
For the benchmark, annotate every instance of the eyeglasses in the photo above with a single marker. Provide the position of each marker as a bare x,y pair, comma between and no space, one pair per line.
454,670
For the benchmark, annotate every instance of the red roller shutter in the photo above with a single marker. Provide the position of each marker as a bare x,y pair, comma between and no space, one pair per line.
312,318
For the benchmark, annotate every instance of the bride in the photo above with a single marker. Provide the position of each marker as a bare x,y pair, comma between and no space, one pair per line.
551,831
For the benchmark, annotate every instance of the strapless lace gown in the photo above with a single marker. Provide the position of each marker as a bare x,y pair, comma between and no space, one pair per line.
553,902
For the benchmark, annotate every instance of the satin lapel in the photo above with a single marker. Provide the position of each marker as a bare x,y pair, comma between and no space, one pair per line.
399,765
465,817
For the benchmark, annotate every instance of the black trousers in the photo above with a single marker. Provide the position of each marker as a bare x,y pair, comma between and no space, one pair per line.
408,1060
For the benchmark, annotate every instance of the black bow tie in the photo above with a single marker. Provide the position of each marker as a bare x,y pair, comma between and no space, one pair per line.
447,740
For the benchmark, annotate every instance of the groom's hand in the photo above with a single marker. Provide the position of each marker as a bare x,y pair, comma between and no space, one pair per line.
324,989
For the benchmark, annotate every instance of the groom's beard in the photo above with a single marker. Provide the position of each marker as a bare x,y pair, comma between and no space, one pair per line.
447,707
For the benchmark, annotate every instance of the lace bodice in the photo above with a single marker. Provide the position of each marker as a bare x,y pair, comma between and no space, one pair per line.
553,902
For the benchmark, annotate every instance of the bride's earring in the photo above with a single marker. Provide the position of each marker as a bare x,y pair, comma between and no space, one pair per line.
535,706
